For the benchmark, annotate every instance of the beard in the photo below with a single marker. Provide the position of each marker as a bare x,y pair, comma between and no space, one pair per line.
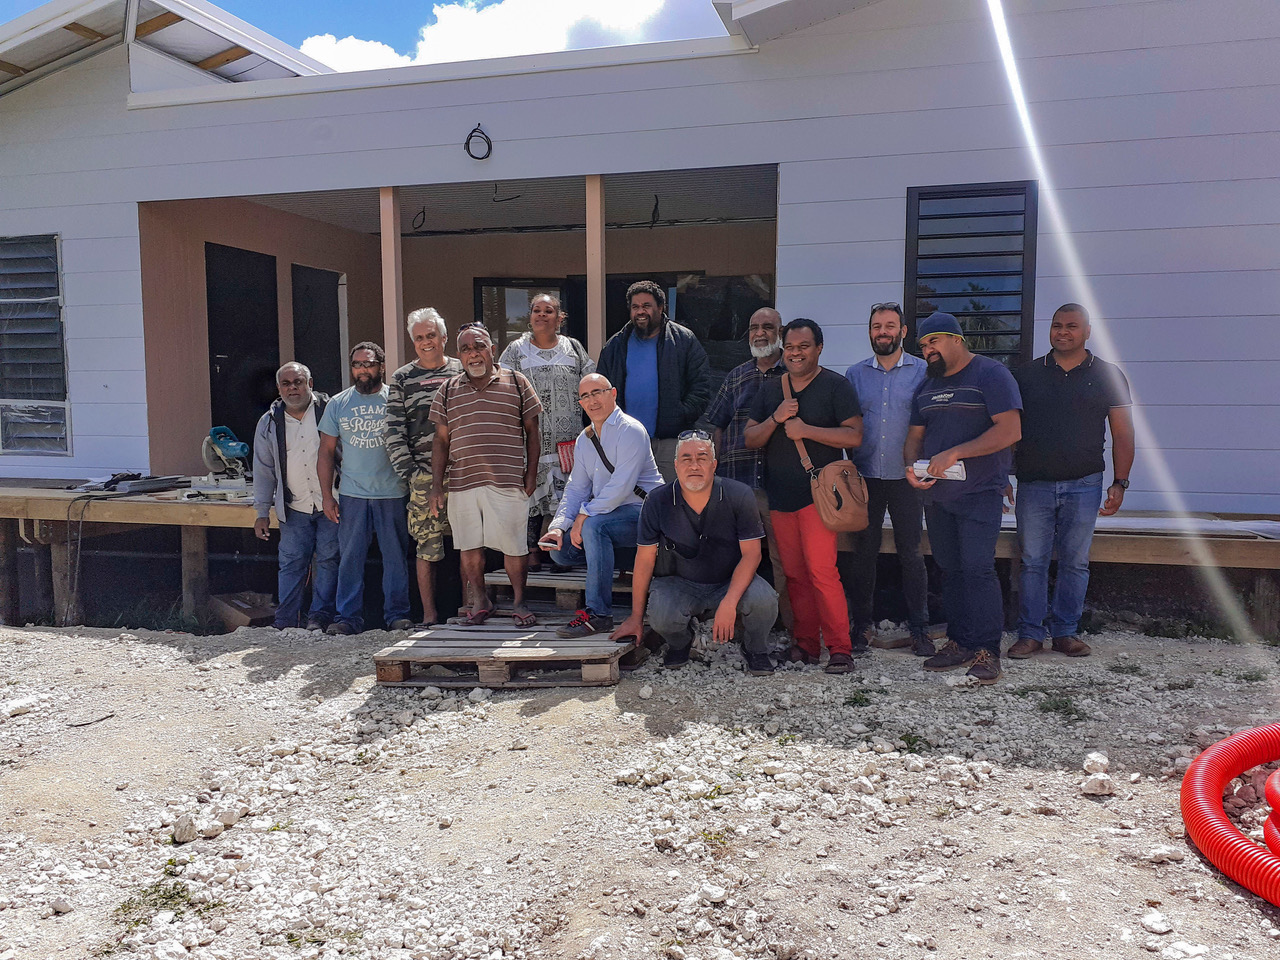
880,349
298,403
936,368
368,384
760,353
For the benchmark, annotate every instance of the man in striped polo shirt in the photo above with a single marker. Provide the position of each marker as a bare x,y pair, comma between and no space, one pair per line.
487,446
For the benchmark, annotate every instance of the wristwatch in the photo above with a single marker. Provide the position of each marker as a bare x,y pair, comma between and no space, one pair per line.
1122,484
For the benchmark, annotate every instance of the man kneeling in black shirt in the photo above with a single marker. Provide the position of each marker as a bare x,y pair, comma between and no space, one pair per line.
709,530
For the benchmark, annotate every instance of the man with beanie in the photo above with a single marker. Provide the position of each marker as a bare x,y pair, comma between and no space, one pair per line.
967,410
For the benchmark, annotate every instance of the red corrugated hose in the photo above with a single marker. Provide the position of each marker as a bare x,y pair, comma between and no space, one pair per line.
1245,862
1271,829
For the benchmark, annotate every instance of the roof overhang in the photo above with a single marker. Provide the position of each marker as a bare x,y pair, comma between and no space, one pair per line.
760,21
192,32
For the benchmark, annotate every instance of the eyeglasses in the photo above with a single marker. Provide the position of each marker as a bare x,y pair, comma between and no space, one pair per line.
592,394
365,364
695,434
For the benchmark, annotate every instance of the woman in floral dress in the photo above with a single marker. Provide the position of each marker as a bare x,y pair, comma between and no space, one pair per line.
554,364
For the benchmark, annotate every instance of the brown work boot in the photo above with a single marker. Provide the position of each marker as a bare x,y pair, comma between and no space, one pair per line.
1024,648
1071,646
986,667
951,655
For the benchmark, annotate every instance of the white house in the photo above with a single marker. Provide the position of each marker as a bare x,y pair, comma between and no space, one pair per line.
185,202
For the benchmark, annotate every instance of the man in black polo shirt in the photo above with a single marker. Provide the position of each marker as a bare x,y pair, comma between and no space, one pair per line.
1068,398
709,527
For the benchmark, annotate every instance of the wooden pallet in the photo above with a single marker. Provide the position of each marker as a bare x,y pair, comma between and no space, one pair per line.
491,658
570,586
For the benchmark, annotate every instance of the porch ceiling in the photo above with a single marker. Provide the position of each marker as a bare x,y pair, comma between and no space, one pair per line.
682,196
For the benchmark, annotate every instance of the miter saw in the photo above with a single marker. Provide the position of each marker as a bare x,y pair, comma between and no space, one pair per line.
226,457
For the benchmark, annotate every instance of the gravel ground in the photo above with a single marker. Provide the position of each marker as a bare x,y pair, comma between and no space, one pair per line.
255,795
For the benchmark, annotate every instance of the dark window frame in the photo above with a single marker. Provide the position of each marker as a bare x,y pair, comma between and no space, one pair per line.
1030,191
15,405
478,284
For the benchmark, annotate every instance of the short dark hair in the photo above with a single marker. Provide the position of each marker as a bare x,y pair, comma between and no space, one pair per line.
651,288
1073,308
881,308
803,323
378,353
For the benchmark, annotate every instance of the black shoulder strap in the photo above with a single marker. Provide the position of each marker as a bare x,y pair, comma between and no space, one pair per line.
591,435
590,431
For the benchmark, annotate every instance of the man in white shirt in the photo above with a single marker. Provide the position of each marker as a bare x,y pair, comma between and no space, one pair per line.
600,509
286,444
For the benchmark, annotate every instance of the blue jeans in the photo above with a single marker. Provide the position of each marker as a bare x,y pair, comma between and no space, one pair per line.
304,537
674,601
962,536
359,520
1055,515
600,535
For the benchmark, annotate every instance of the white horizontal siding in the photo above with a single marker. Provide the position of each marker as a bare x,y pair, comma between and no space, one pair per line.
1157,120
102,320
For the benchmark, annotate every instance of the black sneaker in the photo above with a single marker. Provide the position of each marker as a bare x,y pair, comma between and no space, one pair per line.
951,655
404,623
316,624
758,664
675,659
340,629
584,625
921,645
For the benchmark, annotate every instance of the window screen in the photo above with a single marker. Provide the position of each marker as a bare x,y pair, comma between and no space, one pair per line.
33,376
971,253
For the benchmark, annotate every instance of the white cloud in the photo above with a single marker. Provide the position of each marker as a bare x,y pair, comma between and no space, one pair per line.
350,53
468,31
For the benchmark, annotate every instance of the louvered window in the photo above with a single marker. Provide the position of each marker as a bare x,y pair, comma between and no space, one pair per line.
33,372
971,252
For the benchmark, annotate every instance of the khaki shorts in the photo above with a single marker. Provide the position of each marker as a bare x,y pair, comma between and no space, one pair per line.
493,517
428,532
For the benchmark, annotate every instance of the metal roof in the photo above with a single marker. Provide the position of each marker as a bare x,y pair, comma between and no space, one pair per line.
63,32
665,197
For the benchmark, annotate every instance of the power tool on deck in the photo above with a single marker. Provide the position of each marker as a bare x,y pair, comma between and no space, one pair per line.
226,457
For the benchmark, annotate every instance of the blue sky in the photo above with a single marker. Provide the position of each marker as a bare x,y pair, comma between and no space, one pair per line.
378,33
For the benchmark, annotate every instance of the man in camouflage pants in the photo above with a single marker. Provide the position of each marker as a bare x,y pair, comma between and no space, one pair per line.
410,391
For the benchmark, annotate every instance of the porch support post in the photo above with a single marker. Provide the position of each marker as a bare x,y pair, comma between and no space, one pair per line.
595,264
392,279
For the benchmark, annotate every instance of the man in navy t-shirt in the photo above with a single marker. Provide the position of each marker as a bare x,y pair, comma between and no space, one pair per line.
709,528
968,409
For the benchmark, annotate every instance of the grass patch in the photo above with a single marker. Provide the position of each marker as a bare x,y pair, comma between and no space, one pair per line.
915,743
1127,669
139,910
278,825
1251,676
1060,704
788,738
1184,683
859,698
154,613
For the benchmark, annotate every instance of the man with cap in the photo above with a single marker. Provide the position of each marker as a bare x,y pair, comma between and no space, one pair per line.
968,410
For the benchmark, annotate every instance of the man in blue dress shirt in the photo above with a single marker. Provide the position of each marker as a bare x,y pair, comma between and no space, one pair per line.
886,382
600,510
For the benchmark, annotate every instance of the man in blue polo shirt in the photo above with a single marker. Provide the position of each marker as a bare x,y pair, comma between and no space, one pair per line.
1069,398
709,527
886,384
967,410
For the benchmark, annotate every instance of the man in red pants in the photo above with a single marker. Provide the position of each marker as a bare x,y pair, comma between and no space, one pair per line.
824,412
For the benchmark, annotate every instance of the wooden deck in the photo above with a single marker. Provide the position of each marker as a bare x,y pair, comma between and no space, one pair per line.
59,519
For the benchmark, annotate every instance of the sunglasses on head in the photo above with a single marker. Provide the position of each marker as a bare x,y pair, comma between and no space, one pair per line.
694,434
887,305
